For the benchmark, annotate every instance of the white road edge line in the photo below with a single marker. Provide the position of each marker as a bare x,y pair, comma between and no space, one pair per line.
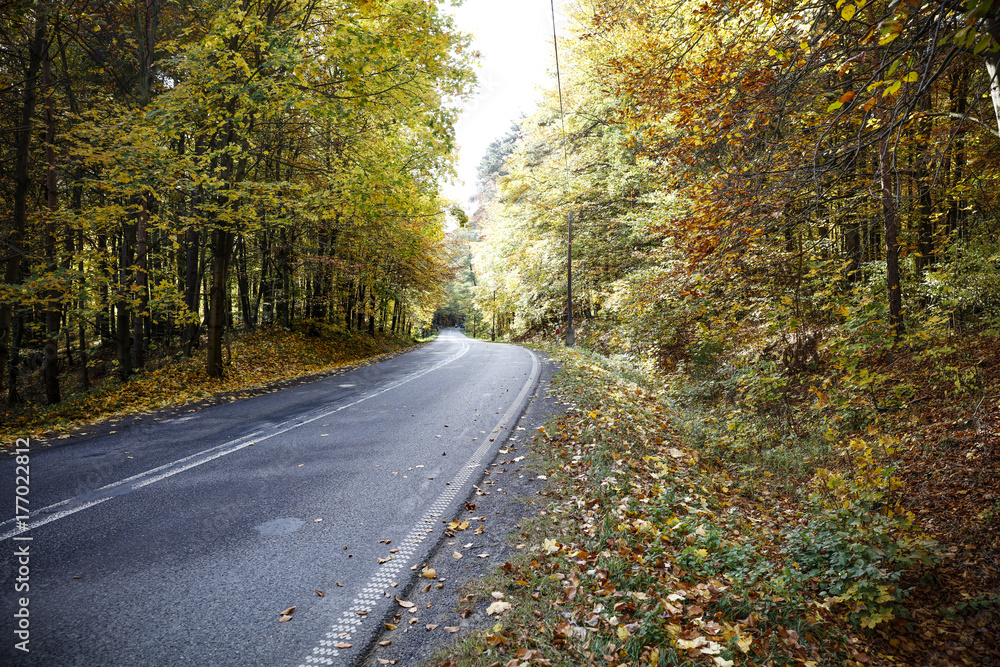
149,477
374,590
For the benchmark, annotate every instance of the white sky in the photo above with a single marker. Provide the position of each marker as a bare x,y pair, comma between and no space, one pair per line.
515,38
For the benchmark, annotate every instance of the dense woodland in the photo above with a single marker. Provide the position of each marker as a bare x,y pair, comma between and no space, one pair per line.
793,165
784,257
175,170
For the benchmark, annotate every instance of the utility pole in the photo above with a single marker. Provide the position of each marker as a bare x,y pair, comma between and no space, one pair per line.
570,336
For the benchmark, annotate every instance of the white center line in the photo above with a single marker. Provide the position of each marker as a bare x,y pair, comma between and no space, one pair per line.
87,500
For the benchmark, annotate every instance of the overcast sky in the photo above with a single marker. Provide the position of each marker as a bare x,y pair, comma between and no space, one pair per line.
515,38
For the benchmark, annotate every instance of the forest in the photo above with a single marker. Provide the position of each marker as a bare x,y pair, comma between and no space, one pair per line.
780,223
773,226
176,171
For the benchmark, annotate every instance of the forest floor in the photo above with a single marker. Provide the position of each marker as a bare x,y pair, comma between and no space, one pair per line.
258,361
662,542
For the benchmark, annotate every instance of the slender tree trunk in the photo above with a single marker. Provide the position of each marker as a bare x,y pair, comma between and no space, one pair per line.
890,220
222,245
103,293
192,283
53,311
9,338
243,285
84,353
992,68
123,307
360,308
262,283
139,278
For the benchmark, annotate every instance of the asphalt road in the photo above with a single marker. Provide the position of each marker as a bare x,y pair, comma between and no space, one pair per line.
178,541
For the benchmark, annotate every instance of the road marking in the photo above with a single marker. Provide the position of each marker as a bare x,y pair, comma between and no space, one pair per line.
135,482
375,590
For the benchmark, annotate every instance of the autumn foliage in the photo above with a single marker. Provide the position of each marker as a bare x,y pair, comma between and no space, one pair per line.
784,237
176,171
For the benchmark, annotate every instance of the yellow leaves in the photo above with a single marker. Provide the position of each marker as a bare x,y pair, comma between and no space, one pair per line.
498,608
847,13
822,400
550,546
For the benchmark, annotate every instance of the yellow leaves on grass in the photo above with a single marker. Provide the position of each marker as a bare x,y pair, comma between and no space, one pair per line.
498,608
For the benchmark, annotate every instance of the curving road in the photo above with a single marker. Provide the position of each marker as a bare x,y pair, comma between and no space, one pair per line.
179,541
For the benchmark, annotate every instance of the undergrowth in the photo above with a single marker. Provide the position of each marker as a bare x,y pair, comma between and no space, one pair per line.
734,513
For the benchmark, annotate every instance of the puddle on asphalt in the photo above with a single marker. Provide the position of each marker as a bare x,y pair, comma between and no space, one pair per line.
285,526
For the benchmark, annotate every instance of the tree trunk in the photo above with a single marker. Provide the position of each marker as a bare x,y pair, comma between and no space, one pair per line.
992,67
360,308
123,307
243,284
53,310
192,285
890,221
222,247
9,339
139,278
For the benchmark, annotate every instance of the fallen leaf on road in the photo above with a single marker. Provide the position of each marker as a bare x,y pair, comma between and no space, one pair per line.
290,610
403,603
383,661
317,520
385,642
286,617
482,555
344,645
456,555
320,593
429,572
431,626
451,628
390,626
